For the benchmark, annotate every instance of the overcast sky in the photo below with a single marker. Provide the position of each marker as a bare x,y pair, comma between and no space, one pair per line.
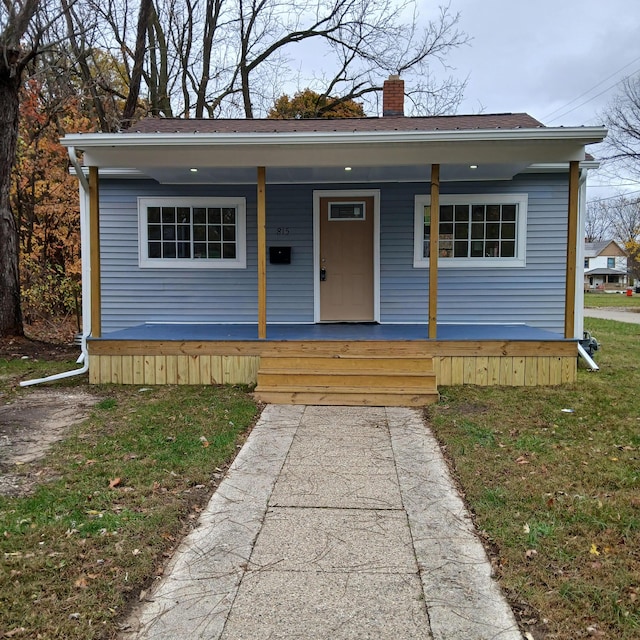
561,61
540,55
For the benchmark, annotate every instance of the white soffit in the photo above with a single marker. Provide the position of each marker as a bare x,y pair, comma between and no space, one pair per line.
326,150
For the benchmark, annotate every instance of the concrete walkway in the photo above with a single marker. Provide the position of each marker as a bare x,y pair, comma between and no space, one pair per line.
333,523
607,313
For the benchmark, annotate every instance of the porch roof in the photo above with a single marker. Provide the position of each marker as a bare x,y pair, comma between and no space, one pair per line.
497,145
604,271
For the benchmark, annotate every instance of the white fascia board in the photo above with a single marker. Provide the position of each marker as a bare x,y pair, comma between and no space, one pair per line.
328,149
584,135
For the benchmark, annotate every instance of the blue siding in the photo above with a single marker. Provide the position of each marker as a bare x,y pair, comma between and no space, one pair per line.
131,295
533,294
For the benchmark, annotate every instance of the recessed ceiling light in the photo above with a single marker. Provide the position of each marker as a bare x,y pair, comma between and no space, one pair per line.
473,166
347,168
193,170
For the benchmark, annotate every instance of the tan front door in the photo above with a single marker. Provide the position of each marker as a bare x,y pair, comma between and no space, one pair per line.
346,259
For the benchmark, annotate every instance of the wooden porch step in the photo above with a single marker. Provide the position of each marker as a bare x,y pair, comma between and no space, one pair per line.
357,363
338,398
347,379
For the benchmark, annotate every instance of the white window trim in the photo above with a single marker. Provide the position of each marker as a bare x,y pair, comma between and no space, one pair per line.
521,199
240,261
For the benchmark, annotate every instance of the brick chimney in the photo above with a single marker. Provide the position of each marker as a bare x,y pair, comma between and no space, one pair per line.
393,96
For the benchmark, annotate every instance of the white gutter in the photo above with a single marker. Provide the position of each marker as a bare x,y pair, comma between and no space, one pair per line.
585,135
86,284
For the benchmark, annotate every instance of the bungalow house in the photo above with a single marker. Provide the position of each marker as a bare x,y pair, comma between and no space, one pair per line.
360,261
605,266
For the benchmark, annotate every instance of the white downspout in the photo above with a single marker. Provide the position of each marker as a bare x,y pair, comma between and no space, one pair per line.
579,316
578,324
85,250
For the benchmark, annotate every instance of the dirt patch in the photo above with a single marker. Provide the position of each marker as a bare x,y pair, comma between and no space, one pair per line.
30,425
21,347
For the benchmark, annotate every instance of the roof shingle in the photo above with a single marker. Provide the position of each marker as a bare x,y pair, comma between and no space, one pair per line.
325,125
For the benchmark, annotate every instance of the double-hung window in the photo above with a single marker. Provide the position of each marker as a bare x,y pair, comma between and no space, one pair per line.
473,231
192,232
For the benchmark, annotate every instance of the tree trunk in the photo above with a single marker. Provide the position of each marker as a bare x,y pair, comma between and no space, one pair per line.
138,62
10,313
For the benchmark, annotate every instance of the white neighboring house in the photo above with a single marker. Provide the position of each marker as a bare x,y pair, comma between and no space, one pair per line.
605,266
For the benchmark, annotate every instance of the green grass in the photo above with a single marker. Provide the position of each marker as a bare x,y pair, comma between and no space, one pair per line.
558,494
13,370
597,300
111,503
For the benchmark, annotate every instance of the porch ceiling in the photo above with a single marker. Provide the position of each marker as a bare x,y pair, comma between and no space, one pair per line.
301,156
327,175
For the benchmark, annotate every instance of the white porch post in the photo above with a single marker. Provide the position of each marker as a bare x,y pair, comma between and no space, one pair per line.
433,251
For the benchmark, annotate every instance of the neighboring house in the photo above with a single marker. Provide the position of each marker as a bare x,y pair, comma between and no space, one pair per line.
301,254
605,266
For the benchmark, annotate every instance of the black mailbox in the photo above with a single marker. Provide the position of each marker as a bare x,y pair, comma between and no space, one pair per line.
280,255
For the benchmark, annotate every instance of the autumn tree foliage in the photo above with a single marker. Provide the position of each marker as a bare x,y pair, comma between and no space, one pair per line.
44,201
310,104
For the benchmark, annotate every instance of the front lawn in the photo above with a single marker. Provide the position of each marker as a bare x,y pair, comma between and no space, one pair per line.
553,477
111,503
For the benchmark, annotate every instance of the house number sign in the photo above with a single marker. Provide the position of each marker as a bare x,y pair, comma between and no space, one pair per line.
282,231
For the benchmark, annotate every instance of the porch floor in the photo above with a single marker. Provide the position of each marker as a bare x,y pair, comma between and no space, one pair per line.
340,331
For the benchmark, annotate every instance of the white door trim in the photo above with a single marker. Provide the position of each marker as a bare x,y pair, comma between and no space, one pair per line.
346,193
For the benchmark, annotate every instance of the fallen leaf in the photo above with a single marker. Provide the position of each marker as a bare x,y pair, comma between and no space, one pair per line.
14,632
114,483
530,553
526,528
205,442
81,583
522,460
594,550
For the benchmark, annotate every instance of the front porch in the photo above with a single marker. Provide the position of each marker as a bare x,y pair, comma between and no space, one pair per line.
480,354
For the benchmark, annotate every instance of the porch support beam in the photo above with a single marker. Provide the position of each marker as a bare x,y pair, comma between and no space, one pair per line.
572,247
433,251
94,259
262,255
